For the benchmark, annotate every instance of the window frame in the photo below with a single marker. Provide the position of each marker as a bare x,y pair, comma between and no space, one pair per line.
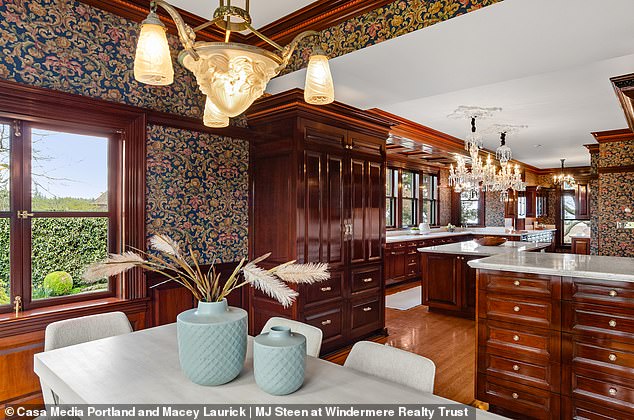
418,199
393,198
20,197
457,210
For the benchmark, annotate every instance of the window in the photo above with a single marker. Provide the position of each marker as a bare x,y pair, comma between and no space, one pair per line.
470,208
429,192
570,224
409,202
411,198
57,212
391,194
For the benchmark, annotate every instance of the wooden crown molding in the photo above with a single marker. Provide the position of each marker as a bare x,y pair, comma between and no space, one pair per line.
613,135
317,16
437,139
624,89
592,148
137,10
291,103
321,14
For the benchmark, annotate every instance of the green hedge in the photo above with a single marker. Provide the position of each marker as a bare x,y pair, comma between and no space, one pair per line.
58,244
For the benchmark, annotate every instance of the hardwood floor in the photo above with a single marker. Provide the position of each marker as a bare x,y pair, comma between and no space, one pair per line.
448,341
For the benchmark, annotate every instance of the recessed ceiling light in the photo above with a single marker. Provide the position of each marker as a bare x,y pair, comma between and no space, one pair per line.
537,146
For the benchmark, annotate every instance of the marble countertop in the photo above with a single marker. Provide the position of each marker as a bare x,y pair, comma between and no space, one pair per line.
581,235
587,266
473,248
490,231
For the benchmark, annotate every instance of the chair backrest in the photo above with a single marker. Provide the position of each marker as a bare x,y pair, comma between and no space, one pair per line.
313,334
87,328
393,364
81,330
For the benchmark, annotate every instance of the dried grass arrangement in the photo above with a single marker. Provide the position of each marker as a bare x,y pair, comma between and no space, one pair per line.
183,268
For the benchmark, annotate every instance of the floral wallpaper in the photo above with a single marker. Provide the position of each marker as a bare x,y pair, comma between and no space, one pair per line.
615,195
196,183
594,205
72,47
390,21
494,209
444,218
197,191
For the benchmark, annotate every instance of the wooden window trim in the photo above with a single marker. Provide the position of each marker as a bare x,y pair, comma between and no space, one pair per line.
419,199
44,106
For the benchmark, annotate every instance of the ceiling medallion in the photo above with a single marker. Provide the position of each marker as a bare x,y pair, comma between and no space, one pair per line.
231,75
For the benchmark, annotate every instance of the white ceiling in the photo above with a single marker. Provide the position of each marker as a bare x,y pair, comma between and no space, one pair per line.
262,12
547,63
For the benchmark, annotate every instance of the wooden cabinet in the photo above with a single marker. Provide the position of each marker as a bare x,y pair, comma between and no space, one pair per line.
531,201
582,201
318,195
559,347
580,246
449,284
403,261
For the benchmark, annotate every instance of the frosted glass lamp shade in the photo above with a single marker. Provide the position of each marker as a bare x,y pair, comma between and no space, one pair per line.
152,61
213,117
319,89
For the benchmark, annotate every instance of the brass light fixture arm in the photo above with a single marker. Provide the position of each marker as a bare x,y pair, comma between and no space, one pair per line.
288,51
186,34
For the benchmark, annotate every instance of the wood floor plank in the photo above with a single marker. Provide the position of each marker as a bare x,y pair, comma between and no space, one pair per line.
448,341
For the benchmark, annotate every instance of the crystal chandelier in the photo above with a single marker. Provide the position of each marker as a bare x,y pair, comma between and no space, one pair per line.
231,75
503,153
563,178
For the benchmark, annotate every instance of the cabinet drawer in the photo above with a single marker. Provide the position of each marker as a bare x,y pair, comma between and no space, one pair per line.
580,409
591,356
534,312
602,292
365,316
597,321
412,259
366,278
542,375
604,391
520,284
515,398
522,343
329,320
325,290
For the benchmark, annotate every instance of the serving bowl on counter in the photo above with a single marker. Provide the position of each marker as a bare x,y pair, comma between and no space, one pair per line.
490,241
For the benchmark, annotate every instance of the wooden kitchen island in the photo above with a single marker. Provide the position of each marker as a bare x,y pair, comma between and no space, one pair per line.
449,284
556,335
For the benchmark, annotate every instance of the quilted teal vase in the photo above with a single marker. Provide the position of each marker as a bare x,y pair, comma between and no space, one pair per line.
212,342
279,361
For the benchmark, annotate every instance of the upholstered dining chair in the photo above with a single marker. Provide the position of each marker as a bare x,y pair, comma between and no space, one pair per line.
393,364
81,330
313,334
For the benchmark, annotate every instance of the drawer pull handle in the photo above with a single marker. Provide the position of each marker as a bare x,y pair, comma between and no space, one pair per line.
516,337
368,280
612,357
613,293
367,309
326,289
612,323
612,391
516,283
516,368
516,308
326,322
515,396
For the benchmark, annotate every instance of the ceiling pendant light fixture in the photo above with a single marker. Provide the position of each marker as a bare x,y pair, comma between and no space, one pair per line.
231,75
503,153
564,180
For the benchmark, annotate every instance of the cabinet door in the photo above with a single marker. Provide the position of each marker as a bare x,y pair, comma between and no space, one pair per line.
324,208
468,276
367,201
582,201
531,201
441,283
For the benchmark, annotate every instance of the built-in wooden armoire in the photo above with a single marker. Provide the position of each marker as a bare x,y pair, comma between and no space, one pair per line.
318,195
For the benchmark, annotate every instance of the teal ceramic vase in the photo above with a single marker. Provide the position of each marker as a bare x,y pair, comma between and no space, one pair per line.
279,360
212,342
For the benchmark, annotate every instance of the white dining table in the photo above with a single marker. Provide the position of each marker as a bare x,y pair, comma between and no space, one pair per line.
143,368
